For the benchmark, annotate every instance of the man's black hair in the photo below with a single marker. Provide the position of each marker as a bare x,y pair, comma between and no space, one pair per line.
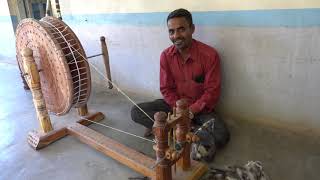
181,13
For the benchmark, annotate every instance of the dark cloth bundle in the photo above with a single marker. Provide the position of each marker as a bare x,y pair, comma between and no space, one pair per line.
205,149
253,170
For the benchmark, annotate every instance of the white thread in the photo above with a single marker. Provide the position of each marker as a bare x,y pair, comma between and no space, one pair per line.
71,47
71,52
108,80
158,162
118,130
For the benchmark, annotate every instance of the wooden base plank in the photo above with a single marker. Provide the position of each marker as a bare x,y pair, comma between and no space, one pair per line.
38,140
127,156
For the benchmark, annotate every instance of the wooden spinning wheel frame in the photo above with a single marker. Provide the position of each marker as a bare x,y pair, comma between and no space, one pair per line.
65,74
51,47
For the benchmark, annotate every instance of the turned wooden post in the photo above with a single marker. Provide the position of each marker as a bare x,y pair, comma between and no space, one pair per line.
183,127
33,80
163,168
83,110
105,55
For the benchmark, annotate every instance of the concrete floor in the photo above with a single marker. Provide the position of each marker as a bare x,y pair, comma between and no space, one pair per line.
284,155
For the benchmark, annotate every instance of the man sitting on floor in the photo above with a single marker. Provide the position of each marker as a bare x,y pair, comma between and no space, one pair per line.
189,69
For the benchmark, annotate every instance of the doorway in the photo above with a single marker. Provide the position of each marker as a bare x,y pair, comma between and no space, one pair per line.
37,9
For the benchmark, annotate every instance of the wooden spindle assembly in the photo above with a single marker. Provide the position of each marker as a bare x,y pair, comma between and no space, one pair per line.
180,154
163,169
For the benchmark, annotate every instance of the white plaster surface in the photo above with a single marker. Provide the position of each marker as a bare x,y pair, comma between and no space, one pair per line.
269,74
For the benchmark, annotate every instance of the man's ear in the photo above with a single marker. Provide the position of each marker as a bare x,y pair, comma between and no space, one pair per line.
192,28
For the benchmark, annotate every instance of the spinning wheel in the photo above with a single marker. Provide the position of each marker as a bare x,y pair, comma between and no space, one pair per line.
57,71
65,74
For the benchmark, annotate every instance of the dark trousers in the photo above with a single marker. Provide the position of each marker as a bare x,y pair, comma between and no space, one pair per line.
221,133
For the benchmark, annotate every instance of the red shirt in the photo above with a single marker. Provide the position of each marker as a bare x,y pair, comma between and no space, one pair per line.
197,79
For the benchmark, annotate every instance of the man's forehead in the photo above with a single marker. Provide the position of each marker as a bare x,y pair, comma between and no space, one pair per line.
177,22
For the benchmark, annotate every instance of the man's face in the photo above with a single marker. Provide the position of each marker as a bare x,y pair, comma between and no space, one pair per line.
180,32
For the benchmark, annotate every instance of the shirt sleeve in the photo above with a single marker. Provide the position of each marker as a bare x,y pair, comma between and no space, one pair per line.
212,85
167,84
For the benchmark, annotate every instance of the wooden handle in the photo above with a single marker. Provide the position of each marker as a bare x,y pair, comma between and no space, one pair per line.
105,55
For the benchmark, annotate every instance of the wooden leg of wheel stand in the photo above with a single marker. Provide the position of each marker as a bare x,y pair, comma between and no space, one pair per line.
46,136
83,110
33,79
42,140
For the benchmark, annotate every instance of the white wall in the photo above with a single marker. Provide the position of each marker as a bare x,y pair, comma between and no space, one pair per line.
7,44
